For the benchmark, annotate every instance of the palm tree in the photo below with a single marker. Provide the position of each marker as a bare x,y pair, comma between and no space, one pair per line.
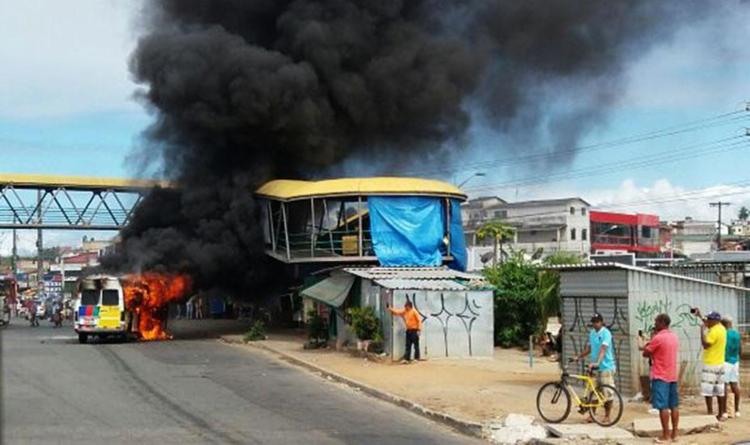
499,232
743,214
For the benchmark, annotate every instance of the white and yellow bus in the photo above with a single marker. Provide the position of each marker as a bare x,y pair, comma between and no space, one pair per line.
100,309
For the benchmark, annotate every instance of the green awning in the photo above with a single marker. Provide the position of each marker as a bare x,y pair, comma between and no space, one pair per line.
331,291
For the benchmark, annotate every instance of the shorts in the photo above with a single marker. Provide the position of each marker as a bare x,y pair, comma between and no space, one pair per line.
606,378
732,372
712,381
664,395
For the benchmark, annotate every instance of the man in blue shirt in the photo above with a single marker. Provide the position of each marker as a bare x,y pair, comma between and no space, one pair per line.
732,363
600,350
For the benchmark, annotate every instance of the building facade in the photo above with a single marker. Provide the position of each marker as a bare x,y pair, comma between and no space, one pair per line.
545,226
691,237
635,233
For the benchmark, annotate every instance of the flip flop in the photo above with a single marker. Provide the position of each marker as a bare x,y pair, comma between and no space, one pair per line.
659,440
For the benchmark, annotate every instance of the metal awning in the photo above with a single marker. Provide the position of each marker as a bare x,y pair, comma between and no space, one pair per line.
331,291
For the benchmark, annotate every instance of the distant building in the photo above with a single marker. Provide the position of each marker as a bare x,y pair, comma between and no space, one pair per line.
94,245
740,228
482,209
691,237
615,233
549,226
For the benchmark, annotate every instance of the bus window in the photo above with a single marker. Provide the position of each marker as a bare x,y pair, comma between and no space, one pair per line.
89,297
110,297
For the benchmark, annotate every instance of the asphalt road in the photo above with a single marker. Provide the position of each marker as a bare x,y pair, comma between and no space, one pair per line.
196,390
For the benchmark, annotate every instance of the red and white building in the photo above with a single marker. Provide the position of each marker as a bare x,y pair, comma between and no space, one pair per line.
635,233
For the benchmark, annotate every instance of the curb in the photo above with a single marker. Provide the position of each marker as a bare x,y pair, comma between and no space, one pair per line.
467,427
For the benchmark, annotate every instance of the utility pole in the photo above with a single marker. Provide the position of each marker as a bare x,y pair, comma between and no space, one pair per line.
719,204
14,254
39,248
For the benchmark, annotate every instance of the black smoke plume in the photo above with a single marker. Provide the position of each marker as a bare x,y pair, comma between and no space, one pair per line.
243,91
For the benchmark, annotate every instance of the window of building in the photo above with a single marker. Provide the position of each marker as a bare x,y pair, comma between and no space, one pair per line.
583,211
501,213
645,232
584,234
572,234
572,210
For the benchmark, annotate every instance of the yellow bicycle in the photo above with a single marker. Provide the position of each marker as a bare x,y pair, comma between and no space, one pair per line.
603,402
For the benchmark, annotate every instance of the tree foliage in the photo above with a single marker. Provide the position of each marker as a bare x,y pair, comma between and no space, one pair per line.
517,313
526,295
743,213
498,232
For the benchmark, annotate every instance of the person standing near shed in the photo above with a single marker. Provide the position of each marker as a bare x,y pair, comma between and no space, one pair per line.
601,358
714,341
413,322
663,350
732,363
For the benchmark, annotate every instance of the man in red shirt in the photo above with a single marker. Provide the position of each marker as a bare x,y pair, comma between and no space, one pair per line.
663,350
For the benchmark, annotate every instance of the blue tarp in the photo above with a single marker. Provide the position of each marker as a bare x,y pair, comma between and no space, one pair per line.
458,243
407,231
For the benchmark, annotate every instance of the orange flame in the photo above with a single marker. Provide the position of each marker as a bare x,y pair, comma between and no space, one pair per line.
148,296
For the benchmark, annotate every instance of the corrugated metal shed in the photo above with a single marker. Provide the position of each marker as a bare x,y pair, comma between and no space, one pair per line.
629,298
417,284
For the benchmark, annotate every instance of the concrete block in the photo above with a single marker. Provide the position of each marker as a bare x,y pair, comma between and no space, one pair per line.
511,435
588,430
651,426
518,420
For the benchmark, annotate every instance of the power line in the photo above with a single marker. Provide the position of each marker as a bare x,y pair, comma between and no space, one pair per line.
674,155
710,122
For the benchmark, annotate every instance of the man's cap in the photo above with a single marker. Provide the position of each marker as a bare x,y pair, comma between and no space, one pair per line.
597,317
713,315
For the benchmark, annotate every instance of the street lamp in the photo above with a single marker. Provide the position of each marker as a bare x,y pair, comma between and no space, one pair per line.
470,178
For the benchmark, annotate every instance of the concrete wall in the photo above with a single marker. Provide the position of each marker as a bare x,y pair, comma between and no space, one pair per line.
456,324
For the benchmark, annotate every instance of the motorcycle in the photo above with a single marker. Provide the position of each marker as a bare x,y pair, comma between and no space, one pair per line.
57,318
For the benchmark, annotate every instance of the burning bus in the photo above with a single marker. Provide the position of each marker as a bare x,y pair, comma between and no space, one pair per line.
127,306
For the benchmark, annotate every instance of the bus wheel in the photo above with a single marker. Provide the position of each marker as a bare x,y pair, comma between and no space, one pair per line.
82,338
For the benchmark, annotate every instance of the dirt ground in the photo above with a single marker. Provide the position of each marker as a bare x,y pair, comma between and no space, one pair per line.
481,389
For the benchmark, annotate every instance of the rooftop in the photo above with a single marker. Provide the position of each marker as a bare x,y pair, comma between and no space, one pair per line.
416,273
291,190
613,266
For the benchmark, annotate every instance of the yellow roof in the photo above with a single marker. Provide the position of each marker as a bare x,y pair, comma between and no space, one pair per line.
290,190
77,182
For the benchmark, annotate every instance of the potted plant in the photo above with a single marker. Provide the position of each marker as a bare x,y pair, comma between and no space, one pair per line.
317,331
365,324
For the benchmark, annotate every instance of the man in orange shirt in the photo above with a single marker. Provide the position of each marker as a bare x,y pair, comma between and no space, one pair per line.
413,322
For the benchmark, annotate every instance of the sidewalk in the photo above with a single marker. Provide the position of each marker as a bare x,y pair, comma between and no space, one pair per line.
475,391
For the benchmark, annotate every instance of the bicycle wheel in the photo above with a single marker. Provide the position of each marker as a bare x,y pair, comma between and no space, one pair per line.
599,414
553,402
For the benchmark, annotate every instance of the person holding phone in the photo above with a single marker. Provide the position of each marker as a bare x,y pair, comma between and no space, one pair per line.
714,342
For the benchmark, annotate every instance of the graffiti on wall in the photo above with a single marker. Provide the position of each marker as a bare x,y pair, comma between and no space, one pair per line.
468,314
646,311
682,322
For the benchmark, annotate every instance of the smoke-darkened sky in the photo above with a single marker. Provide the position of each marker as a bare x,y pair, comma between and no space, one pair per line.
66,82
246,91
